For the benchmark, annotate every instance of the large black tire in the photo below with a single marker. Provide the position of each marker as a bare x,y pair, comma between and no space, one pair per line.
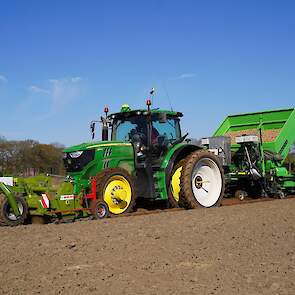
173,190
104,179
6,215
202,181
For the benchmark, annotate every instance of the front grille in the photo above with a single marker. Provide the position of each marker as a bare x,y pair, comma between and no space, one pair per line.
77,164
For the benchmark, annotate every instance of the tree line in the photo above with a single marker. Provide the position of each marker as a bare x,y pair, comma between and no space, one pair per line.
29,158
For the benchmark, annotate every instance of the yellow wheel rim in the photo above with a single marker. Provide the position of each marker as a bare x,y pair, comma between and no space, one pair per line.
117,194
175,183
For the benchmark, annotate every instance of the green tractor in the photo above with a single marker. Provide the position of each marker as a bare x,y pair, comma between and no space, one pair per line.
146,158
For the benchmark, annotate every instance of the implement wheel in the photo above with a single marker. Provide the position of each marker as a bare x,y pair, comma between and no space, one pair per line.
115,187
241,195
173,196
201,181
7,217
99,209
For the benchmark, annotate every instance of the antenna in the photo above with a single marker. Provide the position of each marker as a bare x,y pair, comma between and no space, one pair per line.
152,92
152,95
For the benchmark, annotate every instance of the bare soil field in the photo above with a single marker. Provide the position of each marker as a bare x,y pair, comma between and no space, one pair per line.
243,249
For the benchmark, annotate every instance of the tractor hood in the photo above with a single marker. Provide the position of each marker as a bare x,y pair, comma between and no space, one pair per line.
89,158
94,145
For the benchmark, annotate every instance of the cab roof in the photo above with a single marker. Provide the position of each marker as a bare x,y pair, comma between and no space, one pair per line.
139,112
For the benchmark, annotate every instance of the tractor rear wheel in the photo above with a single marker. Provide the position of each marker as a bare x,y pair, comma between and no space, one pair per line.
7,217
201,181
173,195
116,187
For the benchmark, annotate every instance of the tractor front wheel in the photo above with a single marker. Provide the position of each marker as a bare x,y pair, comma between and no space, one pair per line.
7,217
201,181
116,187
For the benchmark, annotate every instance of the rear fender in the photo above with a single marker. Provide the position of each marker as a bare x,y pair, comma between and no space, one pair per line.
175,154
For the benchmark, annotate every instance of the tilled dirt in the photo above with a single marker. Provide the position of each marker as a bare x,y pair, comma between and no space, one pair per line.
243,249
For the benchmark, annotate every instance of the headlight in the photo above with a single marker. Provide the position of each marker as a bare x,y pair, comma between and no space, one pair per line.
76,154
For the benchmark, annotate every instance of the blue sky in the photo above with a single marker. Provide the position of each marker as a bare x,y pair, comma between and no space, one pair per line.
61,62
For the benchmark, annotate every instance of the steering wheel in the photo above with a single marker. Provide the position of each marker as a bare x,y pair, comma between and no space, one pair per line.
136,136
142,136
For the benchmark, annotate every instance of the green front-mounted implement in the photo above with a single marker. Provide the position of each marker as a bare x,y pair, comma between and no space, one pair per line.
36,200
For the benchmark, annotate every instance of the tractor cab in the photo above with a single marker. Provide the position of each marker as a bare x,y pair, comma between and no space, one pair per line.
152,132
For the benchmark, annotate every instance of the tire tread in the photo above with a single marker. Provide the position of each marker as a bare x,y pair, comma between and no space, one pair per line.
186,198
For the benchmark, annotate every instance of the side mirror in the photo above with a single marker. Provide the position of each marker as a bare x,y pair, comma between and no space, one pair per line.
105,129
162,118
92,129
